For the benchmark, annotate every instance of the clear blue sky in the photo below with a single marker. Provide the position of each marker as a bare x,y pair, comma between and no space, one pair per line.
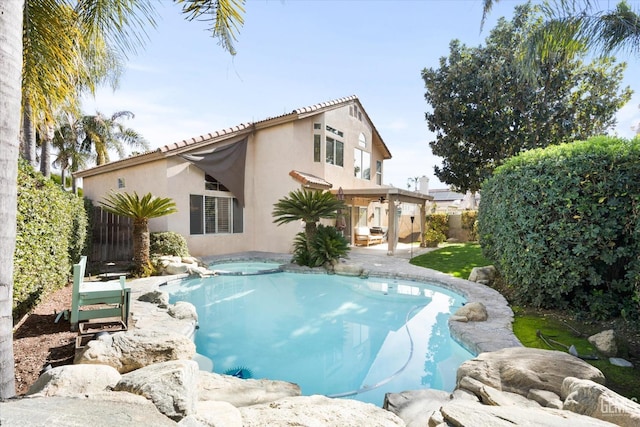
295,53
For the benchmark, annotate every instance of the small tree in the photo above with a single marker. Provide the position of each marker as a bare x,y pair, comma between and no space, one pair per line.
140,210
309,207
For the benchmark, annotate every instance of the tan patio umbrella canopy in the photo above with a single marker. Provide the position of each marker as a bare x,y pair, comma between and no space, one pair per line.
357,197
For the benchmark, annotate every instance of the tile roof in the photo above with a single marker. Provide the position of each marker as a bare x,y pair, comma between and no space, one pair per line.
309,180
224,134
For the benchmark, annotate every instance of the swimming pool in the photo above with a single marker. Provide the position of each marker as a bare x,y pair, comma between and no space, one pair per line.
333,335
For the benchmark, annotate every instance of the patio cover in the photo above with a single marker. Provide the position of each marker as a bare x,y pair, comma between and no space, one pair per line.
393,196
226,164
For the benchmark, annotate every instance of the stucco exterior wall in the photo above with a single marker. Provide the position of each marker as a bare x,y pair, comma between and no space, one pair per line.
145,178
274,149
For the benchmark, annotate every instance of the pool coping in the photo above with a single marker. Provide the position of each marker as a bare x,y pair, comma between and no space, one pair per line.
478,337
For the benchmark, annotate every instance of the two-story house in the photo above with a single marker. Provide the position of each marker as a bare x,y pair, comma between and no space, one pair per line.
226,183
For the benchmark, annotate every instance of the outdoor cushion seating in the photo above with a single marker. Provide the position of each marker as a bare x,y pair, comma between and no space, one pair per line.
107,299
363,236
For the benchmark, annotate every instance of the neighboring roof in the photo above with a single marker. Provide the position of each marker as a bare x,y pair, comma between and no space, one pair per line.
233,133
310,181
445,194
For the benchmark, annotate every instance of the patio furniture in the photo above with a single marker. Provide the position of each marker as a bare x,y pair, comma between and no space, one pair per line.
98,300
364,236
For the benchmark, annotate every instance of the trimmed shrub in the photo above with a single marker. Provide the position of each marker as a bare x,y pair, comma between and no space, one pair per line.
562,225
470,224
168,243
436,229
50,236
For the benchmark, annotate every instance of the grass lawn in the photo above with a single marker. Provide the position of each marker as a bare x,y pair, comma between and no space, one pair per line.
459,259
456,259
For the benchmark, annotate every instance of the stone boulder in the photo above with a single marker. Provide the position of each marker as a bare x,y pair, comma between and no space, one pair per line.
159,298
69,380
483,275
76,411
605,342
415,407
494,397
520,369
317,411
242,392
175,268
466,413
210,413
137,348
184,311
545,398
595,400
472,312
171,386
347,269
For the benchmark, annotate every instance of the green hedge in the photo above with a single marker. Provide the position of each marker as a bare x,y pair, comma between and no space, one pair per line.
50,236
562,225
436,228
470,224
168,243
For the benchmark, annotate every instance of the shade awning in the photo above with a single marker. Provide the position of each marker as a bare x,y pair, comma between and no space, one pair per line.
226,164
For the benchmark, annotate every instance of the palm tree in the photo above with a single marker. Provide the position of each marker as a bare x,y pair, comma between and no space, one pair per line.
309,207
70,156
11,60
100,134
56,74
572,26
120,21
140,210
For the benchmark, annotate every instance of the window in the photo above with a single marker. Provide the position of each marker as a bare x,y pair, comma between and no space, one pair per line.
210,183
362,140
361,164
121,183
317,126
335,152
317,142
379,172
355,112
335,131
215,215
362,217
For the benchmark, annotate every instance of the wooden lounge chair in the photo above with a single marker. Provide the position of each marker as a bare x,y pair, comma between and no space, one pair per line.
363,236
107,299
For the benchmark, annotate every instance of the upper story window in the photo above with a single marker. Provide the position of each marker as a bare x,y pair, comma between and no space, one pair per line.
334,152
361,164
379,172
335,131
362,140
355,112
210,183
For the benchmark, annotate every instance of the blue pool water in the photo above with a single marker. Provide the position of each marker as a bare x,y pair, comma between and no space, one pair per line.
332,335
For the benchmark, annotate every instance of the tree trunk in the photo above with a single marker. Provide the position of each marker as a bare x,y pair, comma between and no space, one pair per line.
28,143
10,85
141,244
310,229
45,152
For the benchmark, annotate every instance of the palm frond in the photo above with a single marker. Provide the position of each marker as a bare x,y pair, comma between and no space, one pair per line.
122,23
225,17
307,206
132,206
